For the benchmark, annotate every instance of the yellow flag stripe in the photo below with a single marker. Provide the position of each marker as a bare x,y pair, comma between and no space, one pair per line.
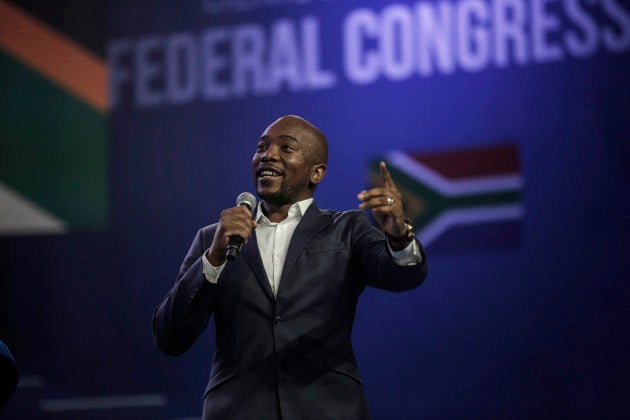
54,55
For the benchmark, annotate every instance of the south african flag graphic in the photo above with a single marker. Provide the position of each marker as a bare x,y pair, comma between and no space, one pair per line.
461,199
52,129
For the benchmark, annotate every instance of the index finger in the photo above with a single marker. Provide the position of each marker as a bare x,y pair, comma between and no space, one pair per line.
387,178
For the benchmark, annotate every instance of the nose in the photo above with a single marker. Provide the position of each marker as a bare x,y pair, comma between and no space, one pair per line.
271,154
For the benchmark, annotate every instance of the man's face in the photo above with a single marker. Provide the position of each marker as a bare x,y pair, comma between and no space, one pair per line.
282,165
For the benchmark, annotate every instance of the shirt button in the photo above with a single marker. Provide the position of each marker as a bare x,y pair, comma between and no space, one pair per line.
277,320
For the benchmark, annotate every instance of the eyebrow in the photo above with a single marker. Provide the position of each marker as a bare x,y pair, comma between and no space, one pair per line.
282,136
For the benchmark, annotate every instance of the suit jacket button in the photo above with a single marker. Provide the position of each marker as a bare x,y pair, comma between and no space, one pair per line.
277,320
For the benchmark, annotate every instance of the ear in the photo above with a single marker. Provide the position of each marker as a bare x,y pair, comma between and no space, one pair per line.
318,173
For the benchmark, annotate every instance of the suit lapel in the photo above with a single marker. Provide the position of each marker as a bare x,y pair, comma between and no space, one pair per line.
252,255
312,222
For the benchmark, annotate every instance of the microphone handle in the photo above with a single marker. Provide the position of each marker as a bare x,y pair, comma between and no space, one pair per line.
233,249
235,242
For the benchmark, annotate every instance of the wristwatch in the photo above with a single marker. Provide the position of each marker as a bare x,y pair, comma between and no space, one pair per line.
407,236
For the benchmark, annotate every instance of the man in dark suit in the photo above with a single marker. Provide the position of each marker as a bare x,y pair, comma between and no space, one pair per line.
283,310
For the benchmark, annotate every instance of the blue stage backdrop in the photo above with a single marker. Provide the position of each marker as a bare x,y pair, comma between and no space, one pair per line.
506,124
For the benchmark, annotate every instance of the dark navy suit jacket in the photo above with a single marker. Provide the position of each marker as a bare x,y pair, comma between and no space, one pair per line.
289,356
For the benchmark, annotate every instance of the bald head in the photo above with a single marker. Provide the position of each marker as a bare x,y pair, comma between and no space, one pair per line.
318,146
290,161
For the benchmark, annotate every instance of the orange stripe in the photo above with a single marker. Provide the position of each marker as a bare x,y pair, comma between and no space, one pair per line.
54,55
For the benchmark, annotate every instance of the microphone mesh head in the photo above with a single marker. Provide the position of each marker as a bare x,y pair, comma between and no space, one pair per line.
246,198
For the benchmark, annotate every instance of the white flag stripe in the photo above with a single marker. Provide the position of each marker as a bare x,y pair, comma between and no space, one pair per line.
103,402
450,188
20,216
469,216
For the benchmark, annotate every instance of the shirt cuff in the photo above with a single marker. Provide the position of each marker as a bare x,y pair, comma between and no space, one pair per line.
209,271
409,256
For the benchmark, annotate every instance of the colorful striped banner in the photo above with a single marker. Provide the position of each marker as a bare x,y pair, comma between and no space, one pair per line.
52,130
460,199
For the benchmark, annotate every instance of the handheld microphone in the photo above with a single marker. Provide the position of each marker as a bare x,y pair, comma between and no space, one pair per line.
236,242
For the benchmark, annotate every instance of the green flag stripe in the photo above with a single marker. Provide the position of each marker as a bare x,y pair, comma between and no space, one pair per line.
477,200
53,147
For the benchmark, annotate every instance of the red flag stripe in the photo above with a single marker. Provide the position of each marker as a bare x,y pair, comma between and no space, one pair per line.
479,162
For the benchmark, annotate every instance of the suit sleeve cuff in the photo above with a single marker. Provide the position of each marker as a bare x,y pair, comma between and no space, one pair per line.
409,256
209,271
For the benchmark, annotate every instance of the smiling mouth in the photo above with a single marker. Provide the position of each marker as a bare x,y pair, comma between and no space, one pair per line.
268,174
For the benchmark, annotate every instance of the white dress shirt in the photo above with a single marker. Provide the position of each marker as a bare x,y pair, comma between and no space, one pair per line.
273,244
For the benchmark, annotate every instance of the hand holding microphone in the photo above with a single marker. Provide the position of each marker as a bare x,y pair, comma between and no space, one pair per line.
234,229
236,242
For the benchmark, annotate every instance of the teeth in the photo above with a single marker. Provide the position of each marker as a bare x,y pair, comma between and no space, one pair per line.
267,172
